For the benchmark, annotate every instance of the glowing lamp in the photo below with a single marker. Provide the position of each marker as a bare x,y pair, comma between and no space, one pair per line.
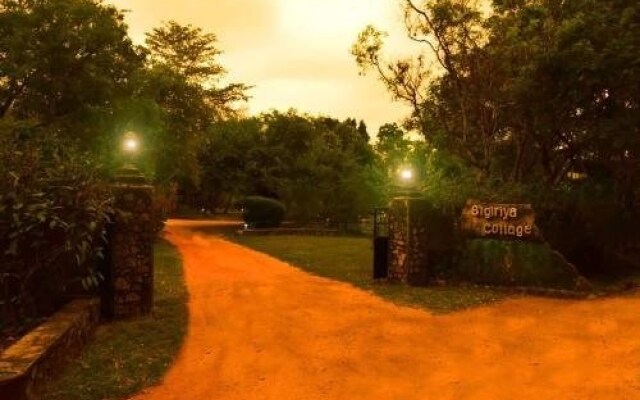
406,174
130,143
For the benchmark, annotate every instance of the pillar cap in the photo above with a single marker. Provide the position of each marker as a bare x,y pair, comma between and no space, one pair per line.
130,175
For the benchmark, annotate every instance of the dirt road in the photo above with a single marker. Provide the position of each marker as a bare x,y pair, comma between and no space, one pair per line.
261,329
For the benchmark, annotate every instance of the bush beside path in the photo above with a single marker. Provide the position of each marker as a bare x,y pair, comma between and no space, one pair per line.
261,329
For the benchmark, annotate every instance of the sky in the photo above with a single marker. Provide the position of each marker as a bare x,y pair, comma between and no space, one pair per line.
296,53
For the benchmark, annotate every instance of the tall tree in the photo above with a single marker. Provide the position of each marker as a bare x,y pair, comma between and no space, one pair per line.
192,53
186,50
452,34
521,94
59,59
183,78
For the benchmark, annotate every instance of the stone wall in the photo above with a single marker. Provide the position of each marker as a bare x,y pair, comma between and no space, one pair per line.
408,261
130,271
425,245
37,356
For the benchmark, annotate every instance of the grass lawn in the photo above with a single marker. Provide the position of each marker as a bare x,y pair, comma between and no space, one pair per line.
350,259
126,356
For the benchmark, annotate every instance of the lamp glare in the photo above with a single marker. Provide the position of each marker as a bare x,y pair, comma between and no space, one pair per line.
406,174
131,144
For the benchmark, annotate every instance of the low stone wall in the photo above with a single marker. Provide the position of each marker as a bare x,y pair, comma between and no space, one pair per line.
40,354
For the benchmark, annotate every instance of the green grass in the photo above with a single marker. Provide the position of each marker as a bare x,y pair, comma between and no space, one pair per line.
349,259
127,356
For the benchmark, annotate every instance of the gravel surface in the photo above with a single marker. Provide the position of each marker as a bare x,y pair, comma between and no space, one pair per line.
262,329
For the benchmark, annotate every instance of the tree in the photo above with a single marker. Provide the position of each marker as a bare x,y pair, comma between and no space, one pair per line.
181,78
319,167
397,151
60,59
186,50
449,108
231,163
526,98
185,118
64,64
522,94
393,147
573,82
189,52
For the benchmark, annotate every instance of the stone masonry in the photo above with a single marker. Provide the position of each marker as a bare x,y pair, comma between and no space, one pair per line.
407,241
30,362
130,275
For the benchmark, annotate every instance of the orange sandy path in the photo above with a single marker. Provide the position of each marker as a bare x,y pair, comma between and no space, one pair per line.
261,329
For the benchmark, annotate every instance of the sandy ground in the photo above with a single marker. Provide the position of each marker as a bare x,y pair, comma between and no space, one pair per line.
261,329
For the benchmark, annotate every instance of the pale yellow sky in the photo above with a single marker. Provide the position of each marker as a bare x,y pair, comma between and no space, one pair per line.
295,52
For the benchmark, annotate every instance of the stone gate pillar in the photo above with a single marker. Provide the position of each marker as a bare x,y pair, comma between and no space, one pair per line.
130,256
408,241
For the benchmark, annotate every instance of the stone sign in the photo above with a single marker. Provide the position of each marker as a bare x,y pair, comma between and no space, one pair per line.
500,221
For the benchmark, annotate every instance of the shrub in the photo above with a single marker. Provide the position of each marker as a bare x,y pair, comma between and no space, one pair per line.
262,212
164,204
590,225
513,263
53,208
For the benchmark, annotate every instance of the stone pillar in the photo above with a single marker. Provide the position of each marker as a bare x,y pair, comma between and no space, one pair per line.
408,241
131,237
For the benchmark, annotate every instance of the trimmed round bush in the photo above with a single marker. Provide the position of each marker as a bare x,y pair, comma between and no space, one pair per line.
262,212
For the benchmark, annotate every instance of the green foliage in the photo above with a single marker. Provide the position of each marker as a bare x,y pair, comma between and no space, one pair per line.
232,160
183,78
186,50
503,263
592,228
262,212
397,152
59,59
525,95
53,208
185,115
71,83
64,67
319,167
70,67
521,100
